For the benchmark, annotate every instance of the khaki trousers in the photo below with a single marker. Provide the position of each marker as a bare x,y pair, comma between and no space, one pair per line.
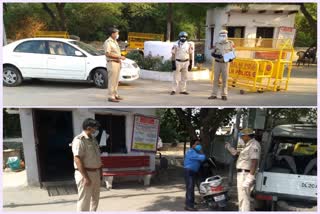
181,67
223,70
113,78
243,193
88,196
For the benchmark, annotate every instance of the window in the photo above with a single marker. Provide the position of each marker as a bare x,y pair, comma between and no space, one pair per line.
88,48
60,48
265,32
264,36
37,47
236,32
292,156
56,48
70,51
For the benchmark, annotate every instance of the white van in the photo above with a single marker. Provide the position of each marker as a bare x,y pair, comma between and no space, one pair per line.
288,170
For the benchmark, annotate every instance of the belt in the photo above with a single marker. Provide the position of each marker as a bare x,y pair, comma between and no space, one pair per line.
219,61
243,170
113,61
90,169
180,60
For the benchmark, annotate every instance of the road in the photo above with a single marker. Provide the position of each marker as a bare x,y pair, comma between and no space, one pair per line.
302,92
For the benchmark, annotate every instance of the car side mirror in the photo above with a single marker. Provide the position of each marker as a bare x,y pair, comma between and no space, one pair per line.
78,53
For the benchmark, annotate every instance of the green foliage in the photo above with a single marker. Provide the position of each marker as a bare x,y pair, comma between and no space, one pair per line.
166,66
280,116
171,130
90,21
305,36
137,57
152,63
149,62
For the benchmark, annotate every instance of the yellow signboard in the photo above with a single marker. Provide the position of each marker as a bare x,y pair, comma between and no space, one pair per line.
136,40
52,34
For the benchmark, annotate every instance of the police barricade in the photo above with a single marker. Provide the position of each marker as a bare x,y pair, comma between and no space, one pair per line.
261,64
252,74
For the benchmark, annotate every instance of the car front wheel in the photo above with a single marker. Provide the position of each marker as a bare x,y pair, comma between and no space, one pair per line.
11,76
100,78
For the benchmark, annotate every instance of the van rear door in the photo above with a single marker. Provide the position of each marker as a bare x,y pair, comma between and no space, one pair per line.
304,186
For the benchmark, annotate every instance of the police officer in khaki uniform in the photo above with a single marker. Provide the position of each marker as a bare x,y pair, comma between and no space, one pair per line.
113,54
221,67
88,166
181,63
247,164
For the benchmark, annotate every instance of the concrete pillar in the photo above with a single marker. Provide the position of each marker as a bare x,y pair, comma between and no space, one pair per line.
29,147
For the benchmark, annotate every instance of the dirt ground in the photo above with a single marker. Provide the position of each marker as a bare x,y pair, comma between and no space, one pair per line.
166,193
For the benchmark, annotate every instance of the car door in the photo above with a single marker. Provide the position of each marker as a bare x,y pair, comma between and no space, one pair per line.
65,62
30,58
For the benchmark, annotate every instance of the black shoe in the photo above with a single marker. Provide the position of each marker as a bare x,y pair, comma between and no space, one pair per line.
224,98
119,98
172,93
114,100
185,93
212,97
190,209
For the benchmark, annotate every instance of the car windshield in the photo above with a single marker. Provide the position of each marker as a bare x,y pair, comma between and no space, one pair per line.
292,156
88,48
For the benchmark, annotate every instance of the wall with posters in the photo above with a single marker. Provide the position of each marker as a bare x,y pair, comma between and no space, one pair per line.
30,142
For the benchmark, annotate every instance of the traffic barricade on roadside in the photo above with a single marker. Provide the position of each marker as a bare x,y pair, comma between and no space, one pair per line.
252,74
53,34
261,64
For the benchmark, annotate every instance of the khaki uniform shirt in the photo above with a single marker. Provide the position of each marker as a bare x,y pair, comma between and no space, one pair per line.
182,51
251,151
223,48
88,150
111,46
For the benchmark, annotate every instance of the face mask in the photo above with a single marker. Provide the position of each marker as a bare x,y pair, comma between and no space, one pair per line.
95,134
117,36
223,37
198,148
183,39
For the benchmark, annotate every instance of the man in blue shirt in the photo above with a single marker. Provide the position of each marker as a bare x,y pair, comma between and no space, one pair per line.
193,159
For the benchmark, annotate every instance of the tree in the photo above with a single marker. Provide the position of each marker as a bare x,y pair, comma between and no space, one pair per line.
192,17
206,120
306,25
310,18
57,15
279,116
169,21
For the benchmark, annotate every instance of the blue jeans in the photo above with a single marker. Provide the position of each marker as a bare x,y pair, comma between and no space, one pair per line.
189,177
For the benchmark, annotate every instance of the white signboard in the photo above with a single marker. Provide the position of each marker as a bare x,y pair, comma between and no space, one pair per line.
287,33
145,133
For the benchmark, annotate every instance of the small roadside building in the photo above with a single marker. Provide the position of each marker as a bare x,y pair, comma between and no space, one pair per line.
253,21
47,135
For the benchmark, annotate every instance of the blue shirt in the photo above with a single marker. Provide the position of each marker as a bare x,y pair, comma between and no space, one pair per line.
193,160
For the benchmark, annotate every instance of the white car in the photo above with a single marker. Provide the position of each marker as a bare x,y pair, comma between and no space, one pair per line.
62,59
